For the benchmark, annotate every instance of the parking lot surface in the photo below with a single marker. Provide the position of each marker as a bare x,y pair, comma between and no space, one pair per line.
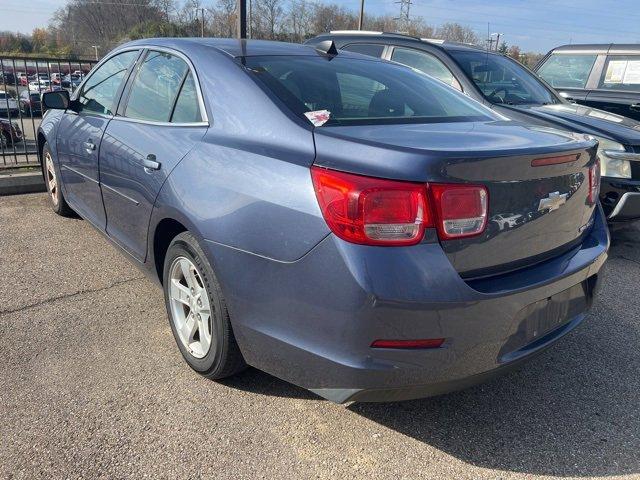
93,386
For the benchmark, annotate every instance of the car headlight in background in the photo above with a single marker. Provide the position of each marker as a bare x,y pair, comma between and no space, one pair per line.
612,159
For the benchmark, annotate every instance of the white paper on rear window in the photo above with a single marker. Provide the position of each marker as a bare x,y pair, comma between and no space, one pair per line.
632,73
615,71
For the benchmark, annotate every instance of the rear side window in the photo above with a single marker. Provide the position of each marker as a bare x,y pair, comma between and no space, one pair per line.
348,91
370,49
426,63
567,70
187,109
156,86
621,72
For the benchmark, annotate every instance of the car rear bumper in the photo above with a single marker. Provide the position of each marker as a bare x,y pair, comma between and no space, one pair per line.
620,199
312,322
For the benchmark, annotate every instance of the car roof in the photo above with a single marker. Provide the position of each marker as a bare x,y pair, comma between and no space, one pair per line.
389,37
602,48
229,46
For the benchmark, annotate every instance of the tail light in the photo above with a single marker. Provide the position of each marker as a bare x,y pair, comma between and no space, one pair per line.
594,182
461,209
375,211
372,211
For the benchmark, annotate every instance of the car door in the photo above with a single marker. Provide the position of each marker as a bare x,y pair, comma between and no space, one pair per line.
619,87
569,74
80,135
160,119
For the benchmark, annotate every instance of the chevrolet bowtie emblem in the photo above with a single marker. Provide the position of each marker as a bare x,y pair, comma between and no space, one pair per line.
553,202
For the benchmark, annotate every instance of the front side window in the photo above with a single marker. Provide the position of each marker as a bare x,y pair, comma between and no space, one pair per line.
426,63
621,72
567,70
361,92
99,93
502,80
156,87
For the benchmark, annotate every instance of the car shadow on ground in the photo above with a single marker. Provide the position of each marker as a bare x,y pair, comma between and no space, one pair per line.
573,411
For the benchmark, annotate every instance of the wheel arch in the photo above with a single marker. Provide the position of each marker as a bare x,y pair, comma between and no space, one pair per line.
42,139
165,231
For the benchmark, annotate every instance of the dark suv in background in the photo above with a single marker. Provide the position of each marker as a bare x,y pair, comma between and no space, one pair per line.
600,76
517,93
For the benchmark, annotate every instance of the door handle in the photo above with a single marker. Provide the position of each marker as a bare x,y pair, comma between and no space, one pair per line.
150,163
89,146
635,107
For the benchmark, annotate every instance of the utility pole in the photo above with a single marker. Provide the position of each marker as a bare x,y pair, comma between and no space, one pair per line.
202,23
404,22
361,17
241,18
249,27
95,49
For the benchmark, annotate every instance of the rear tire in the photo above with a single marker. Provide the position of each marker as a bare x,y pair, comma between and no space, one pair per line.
51,180
198,312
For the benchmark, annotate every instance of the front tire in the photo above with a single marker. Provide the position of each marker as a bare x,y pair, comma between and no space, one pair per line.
198,312
58,203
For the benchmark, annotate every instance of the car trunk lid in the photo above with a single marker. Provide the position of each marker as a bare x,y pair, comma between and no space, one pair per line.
537,181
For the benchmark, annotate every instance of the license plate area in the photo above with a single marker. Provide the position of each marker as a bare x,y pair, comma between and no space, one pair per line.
542,317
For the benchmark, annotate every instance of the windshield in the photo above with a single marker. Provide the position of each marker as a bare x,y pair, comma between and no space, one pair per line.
502,80
348,91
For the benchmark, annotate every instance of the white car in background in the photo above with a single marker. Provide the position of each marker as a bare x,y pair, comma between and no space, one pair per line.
39,85
8,104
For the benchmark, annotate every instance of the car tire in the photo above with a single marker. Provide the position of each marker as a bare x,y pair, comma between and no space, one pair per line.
191,289
52,182
4,141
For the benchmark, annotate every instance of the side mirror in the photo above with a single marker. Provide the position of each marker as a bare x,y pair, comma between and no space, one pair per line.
58,100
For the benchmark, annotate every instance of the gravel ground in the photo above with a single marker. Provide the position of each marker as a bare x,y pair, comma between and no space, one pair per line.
92,386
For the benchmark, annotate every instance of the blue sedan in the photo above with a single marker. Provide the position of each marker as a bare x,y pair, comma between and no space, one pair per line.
347,224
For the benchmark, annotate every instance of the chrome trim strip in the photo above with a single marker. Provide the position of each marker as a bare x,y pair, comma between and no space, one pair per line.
355,32
618,155
621,203
80,173
161,124
111,189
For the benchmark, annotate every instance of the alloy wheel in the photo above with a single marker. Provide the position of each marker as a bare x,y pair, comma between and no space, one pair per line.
52,181
190,310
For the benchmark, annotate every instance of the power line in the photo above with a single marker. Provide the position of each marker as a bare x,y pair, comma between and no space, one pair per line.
404,21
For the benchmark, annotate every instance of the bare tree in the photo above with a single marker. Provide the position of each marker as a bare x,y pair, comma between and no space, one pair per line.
454,32
300,20
267,18
224,19
327,17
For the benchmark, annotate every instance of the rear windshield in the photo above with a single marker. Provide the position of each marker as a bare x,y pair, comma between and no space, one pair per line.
348,91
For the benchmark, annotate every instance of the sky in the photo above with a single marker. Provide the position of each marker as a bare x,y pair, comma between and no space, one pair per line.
533,25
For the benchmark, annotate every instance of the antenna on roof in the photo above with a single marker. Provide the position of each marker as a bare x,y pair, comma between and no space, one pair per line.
327,47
